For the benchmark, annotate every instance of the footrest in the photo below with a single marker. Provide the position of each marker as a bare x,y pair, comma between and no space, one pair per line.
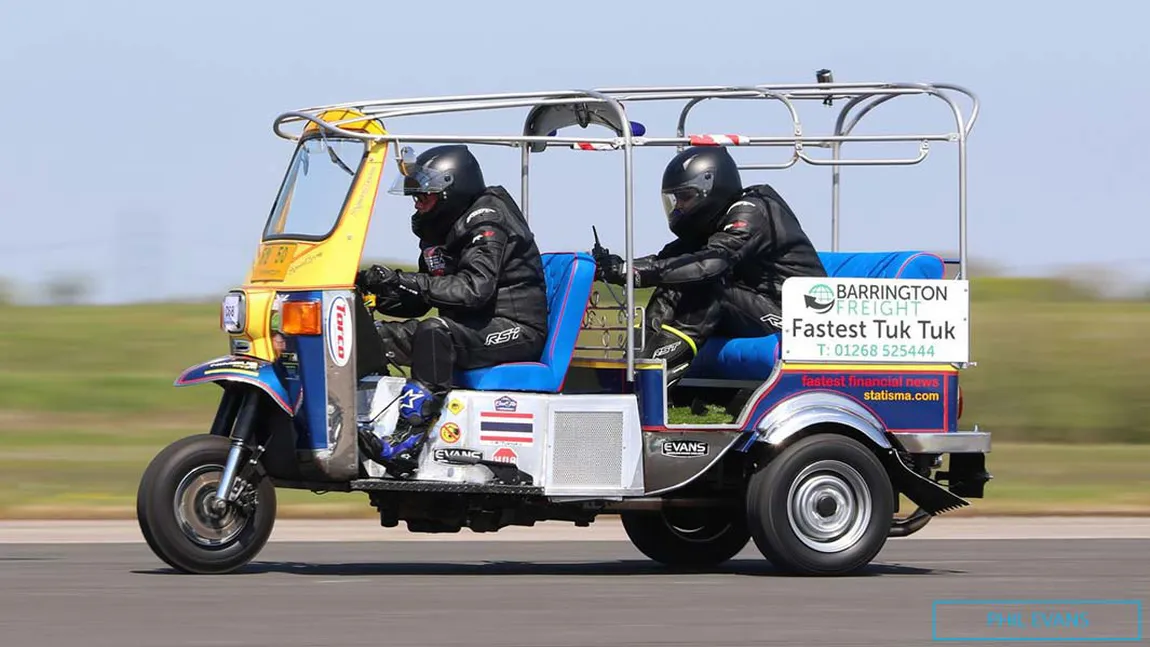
391,485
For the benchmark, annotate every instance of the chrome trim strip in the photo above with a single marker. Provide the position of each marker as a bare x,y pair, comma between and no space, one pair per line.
959,442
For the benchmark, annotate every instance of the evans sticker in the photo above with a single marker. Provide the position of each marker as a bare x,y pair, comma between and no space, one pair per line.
685,448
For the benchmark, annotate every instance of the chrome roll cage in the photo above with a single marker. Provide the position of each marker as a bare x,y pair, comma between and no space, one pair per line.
551,111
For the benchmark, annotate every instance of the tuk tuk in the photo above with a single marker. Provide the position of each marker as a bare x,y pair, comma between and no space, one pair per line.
855,403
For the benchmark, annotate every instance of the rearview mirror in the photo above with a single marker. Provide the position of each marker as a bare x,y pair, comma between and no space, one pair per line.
406,159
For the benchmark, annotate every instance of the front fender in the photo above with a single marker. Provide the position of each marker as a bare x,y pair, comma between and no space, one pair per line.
805,410
247,370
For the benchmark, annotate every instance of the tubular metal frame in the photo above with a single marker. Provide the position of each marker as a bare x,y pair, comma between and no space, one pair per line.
607,105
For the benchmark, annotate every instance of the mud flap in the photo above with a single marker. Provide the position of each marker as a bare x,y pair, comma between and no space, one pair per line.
925,493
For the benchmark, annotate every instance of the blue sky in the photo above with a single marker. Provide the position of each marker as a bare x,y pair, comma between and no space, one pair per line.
140,143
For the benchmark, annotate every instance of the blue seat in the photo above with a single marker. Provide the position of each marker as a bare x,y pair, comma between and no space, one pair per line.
753,358
569,276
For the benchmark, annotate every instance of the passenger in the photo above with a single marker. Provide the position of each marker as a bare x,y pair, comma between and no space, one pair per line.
723,274
480,267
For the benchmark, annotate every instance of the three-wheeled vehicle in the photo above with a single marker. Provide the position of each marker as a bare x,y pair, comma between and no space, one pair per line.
855,404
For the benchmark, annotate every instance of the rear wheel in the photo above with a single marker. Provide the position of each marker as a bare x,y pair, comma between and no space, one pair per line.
692,537
821,507
185,525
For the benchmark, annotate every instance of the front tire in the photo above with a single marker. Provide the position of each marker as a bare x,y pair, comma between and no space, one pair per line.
175,516
821,507
700,537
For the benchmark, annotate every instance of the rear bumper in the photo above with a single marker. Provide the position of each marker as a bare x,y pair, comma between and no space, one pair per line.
959,442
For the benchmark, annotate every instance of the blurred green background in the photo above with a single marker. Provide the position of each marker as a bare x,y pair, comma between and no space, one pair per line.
1062,382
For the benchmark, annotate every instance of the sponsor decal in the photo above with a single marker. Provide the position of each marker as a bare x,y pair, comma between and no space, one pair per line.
875,320
774,320
505,455
339,334
502,336
487,233
435,259
506,403
449,433
666,350
501,428
820,298
685,448
477,212
446,455
234,365
455,406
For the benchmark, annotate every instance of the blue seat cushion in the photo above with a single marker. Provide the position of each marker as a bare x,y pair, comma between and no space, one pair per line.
568,276
753,358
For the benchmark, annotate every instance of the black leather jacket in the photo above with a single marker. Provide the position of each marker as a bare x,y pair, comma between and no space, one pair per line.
757,244
485,265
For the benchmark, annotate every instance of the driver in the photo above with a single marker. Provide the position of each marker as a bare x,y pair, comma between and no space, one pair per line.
724,272
480,267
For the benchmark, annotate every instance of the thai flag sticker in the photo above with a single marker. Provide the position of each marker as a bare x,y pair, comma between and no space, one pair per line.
499,428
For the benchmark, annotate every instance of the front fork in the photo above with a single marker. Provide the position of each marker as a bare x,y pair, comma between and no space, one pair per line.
239,410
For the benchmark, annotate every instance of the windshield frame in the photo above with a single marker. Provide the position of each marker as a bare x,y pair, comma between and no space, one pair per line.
351,188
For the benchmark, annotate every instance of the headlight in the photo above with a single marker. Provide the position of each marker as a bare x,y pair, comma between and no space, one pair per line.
233,313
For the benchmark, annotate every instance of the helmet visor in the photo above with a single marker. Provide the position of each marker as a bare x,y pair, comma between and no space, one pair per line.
684,197
681,200
416,179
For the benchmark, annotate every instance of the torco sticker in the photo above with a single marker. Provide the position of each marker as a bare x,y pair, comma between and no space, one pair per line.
505,455
339,334
449,433
684,448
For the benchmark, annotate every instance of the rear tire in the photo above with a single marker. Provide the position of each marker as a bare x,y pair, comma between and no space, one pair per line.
822,507
698,537
172,510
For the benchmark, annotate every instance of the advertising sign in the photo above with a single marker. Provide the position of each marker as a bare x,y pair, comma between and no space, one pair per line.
888,321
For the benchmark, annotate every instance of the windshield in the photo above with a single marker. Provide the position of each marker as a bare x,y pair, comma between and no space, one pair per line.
315,189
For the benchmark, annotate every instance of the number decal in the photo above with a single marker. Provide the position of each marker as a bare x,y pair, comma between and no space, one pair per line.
273,262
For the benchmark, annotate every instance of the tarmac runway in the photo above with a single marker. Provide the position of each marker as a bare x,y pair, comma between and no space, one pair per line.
548,586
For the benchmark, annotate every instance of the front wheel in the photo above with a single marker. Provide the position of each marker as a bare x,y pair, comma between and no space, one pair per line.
698,537
174,507
821,507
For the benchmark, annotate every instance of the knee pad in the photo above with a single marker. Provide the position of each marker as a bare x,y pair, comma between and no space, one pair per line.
432,326
418,403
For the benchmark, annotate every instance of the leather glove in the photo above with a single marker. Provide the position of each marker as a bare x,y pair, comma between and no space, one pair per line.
613,269
609,268
643,272
384,281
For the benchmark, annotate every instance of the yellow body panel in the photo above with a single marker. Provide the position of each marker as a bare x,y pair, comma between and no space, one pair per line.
296,265
330,263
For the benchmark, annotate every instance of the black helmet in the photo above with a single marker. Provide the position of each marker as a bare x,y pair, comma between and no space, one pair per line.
698,185
451,173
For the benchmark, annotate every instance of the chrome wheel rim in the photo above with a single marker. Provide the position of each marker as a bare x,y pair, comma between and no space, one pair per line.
828,506
196,516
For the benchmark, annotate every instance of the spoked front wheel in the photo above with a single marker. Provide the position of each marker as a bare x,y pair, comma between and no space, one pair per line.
183,522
